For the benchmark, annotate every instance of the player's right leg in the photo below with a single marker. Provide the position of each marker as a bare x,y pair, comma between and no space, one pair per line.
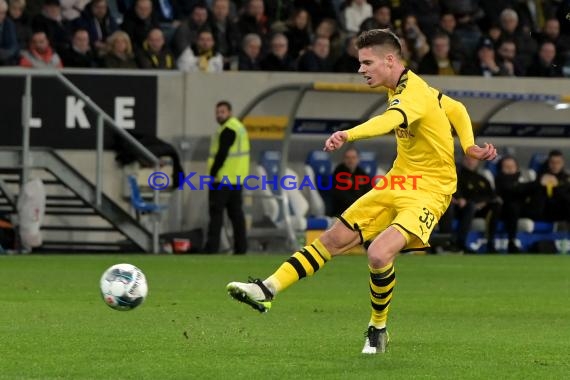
305,262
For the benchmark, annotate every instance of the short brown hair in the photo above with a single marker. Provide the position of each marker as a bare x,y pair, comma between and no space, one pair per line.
379,37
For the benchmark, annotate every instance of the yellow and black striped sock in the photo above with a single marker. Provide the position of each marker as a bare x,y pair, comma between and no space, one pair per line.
382,282
304,262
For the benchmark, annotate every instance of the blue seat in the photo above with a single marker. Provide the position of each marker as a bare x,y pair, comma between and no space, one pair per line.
270,160
320,162
368,163
493,166
322,169
537,161
138,203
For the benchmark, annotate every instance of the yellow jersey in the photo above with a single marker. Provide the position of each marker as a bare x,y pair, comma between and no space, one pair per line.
422,119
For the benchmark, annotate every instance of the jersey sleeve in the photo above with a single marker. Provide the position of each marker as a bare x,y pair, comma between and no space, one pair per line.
460,120
378,125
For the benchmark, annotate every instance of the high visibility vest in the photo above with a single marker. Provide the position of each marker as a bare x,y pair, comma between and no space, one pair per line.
237,161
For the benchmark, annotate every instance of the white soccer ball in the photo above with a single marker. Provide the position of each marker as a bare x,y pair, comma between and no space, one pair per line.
123,287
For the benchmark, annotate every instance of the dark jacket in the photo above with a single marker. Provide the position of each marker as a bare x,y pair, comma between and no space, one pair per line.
149,60
98,31
473,187
138,28
313,63
273,63
73,58
58,33
9,47
342,199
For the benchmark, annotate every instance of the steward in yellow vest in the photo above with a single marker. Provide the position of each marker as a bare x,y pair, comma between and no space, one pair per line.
228,163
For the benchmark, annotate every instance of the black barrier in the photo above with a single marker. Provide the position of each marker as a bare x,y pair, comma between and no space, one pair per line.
61,120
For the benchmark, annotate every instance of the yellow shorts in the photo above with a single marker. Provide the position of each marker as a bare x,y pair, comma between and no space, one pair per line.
412,212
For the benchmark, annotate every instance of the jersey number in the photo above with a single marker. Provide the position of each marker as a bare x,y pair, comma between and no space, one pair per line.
427,218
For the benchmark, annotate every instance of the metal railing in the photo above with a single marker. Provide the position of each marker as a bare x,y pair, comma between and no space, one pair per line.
103,120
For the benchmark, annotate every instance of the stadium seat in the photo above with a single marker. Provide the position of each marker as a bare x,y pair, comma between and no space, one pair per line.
318,167
269,165
535,164
138,203
368,163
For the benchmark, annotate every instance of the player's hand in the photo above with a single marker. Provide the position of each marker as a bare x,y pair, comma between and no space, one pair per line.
487,152
335,141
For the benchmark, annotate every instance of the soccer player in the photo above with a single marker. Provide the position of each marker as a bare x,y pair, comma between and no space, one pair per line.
402,216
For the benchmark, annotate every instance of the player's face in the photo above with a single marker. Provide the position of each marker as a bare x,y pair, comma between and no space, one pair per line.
374,66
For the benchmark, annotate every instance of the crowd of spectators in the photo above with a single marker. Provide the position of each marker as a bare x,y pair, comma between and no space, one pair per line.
445,37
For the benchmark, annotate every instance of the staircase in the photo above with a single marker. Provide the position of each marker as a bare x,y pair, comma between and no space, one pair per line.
73,221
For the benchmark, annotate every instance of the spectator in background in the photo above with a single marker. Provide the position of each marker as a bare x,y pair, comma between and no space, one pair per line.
544,64
552,201
318,9
415,40
79,54
298,32
139,22
167,13
526,46
154,53
426,12
507,56
225,31
474,197
187,33
254,20
495,33
119,54
249,57
52,23
203,57
71,9
278,58
486,64
381,18
96,19
515,195
328,28
491,12
228,161
9,48
17,13
447,24
344,176
551,33
354,15
39,53
348,61
438,60
469,33
316,59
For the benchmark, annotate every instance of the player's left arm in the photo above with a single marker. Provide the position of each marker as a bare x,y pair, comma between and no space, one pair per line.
461,122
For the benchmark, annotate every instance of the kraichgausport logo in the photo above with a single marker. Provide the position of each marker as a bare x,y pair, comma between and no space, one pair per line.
341,181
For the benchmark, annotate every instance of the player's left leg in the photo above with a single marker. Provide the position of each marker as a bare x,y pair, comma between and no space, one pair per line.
417,215
381,255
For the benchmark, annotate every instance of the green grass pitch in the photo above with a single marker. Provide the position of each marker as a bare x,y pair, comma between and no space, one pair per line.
456,317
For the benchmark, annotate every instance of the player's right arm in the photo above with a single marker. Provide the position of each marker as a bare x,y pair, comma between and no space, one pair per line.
378,125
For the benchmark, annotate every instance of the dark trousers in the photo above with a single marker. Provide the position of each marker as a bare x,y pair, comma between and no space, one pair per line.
491,212
220,199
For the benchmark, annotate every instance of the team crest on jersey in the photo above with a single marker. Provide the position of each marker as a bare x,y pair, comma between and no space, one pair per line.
394,103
